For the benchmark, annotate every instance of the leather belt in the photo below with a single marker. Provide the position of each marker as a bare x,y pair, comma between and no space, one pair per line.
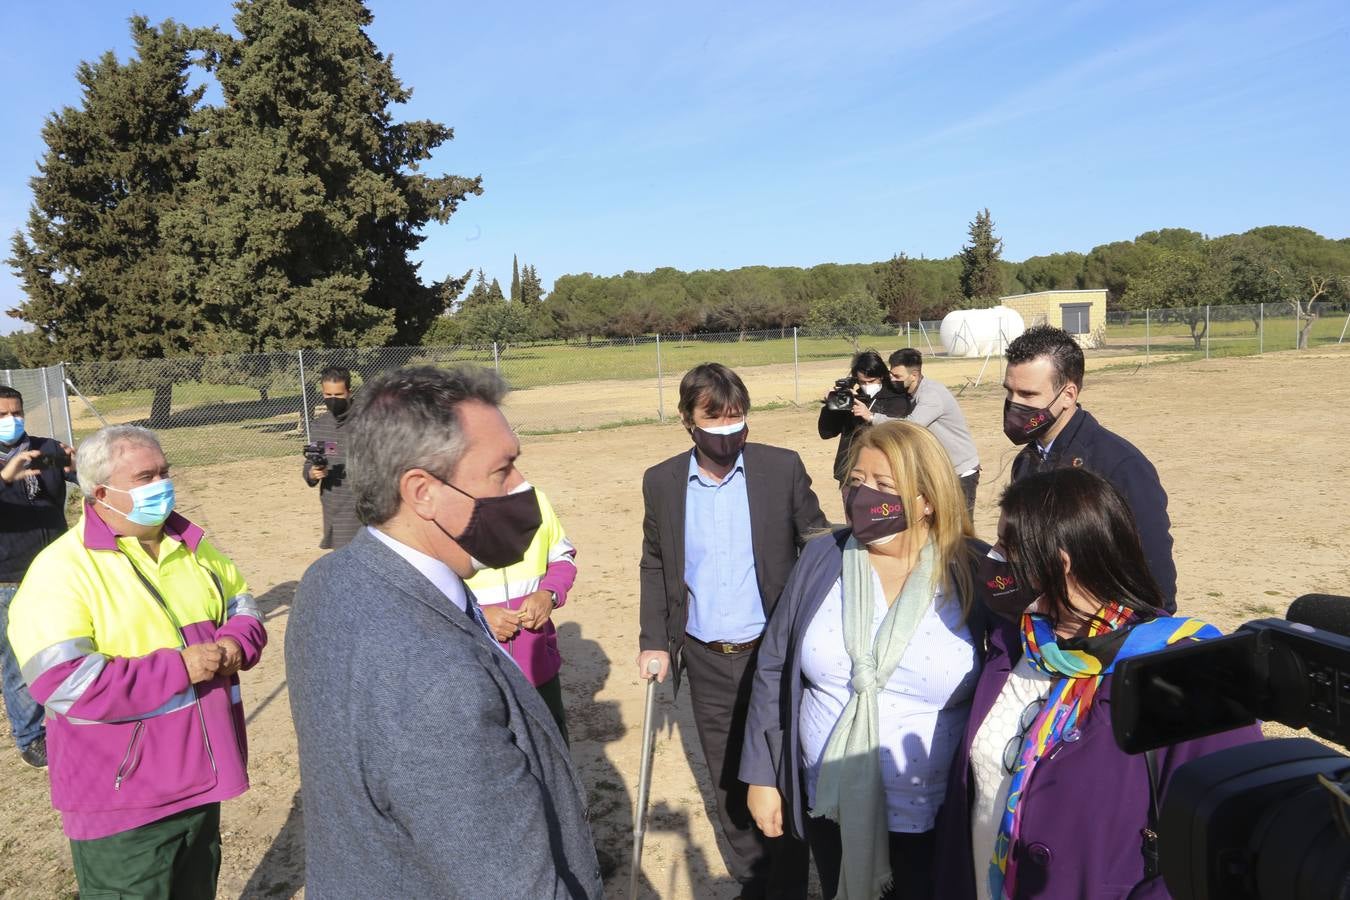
726,647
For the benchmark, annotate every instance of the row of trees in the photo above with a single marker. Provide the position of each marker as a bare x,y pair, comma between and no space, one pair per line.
1169,268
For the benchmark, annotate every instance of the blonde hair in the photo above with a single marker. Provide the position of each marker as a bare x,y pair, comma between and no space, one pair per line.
920,465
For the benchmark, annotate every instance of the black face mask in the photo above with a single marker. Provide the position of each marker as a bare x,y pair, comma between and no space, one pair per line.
720,448
997,585
500,529
337,406
1023,424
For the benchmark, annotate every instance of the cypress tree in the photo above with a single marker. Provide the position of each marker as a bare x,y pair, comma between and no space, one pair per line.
515,278
980,275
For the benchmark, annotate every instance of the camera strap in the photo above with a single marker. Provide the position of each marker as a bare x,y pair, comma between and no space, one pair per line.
1150,831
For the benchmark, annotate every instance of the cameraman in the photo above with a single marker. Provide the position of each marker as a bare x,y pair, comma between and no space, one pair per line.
872,392
328,434
33,476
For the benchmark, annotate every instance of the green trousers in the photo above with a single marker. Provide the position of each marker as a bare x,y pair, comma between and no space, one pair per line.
175,857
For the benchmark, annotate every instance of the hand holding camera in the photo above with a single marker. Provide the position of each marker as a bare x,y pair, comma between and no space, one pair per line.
843,395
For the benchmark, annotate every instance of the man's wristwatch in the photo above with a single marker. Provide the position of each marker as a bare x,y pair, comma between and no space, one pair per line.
553,597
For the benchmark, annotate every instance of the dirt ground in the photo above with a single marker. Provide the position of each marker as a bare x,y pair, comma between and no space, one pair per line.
1251,451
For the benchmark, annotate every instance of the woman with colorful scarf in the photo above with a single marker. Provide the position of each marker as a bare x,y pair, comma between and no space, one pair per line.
1041,802
864,678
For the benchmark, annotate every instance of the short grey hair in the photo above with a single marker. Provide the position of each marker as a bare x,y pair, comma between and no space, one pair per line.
98,453
409,419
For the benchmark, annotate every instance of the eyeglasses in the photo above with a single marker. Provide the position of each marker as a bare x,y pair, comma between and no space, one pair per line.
1012,751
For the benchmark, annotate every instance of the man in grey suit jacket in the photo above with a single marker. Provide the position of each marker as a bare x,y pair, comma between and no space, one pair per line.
722,528
429,767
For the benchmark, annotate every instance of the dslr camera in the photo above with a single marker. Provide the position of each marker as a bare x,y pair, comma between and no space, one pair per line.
842,395
1265,820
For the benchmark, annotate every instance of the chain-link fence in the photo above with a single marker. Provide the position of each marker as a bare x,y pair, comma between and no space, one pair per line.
1207,331
225,408
45,411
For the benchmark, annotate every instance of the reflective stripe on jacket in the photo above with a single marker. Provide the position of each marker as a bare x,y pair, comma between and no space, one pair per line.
97,626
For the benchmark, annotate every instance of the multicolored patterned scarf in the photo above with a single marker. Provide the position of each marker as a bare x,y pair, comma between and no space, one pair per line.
1078,665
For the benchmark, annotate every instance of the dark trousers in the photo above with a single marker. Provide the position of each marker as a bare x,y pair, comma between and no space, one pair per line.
551,692
175,858
719,689
968,485
911,860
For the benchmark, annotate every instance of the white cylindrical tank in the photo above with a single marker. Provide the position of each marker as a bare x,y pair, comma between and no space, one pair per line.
980,332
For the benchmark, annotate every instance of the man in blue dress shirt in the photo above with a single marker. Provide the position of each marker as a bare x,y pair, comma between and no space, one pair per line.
722,528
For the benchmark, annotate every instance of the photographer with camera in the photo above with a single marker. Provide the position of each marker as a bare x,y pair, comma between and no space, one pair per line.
325,459
1041,802
33,476
850,404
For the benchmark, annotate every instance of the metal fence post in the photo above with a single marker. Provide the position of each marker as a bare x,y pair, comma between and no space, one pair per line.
796,371
909,335
65,406
660,384
1261,331
1206,331
47,401
496,360
304,395
1148,346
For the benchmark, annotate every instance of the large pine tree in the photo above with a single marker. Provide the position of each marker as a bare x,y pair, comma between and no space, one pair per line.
981,278
94,258
309,202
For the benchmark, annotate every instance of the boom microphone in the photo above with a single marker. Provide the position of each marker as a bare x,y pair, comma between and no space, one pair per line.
1325,611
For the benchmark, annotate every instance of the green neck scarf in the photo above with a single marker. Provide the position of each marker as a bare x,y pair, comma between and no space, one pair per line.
849,789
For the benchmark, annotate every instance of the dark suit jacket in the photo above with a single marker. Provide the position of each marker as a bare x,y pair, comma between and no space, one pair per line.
429,766
784,513
1084,442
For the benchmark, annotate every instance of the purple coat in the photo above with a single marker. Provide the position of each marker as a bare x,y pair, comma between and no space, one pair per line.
1083,807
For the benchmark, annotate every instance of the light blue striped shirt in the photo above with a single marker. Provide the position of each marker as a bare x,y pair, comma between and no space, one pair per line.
719,558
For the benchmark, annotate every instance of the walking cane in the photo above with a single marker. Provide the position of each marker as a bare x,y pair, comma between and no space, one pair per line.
644,779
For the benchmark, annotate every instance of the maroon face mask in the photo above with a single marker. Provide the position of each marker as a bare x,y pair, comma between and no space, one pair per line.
873,515
721,444
997,585
1022,423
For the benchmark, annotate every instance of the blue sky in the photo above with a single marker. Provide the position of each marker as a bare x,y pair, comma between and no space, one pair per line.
614,136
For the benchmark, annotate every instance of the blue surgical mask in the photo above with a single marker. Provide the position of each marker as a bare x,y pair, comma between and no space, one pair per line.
11,429
150,503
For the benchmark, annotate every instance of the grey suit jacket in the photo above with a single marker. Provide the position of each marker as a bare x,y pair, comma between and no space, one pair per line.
429,767
784,513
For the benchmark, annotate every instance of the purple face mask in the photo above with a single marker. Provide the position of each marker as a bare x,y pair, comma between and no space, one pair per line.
721,443
875,517
996,583
1023,424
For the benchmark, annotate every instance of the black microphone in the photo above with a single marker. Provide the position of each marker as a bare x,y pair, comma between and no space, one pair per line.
1325,611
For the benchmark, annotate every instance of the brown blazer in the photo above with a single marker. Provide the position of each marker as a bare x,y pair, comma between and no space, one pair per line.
784,514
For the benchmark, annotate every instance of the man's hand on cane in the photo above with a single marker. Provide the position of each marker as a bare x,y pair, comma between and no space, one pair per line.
645,657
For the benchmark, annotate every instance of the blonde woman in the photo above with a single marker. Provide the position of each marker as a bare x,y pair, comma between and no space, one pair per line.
865,676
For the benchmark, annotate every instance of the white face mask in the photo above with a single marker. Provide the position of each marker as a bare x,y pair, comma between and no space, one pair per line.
871,390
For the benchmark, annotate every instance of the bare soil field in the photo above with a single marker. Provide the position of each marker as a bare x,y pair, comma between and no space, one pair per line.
1251,451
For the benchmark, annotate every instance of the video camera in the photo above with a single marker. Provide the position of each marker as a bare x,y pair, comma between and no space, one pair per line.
842,395
1265,820
317,453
